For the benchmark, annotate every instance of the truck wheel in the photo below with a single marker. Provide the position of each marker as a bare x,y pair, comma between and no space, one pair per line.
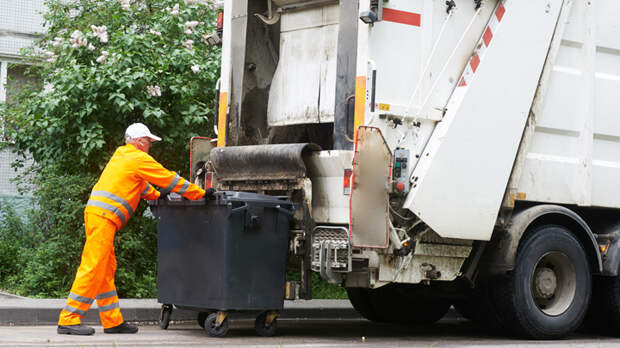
408,304
360,298
479,308
261,327
213,330
604,314
547,294
164,317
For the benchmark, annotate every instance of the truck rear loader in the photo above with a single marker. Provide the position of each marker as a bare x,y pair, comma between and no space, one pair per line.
442,153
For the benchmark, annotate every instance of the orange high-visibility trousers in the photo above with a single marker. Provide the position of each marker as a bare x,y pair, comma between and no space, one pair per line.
95,276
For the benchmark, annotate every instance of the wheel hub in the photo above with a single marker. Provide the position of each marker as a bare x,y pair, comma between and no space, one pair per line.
553,283
545,282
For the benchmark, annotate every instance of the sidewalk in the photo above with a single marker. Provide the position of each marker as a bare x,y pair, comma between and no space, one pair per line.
26,311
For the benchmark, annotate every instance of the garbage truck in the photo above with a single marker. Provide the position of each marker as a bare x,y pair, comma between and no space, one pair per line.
457,153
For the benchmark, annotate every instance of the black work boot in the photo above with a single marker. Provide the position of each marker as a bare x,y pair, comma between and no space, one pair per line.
122,328
78,329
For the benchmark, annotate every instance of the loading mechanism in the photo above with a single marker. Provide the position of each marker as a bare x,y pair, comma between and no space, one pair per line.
279,170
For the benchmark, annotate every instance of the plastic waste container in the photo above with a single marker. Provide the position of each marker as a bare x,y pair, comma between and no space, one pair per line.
222,255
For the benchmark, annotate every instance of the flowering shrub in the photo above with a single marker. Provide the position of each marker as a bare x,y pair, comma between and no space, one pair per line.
102,65
107,64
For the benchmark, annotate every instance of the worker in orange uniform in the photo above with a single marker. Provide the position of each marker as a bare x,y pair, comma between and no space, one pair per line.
126,178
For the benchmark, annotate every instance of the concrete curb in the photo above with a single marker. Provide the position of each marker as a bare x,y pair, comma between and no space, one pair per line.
26,311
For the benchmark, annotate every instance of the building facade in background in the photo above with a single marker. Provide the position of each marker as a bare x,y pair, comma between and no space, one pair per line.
20,23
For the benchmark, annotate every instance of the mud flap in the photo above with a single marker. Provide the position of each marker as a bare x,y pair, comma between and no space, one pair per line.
369,203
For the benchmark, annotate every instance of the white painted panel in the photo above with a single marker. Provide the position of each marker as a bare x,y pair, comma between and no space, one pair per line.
448,59
428,59
326,170
563,101
607,24
574,26
607,107
554,142
607,186
304,84
465,167
607,150
328,74
580,78
557,186
396,50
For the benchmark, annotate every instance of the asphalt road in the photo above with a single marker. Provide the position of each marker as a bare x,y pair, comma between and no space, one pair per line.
294,333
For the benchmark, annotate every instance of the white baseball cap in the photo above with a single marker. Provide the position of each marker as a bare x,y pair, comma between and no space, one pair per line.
139,130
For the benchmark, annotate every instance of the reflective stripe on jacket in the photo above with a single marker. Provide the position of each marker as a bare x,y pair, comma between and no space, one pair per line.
125,180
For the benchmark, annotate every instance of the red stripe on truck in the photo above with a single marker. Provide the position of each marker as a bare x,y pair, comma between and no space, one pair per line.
488,36
474,62
401,17
499,12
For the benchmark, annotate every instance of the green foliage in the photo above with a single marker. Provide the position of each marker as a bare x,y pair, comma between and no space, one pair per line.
40,252
136,254
321,288
51,234
92,83
11,242
94,86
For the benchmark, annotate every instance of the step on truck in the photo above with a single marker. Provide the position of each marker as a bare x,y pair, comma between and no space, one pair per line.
457,153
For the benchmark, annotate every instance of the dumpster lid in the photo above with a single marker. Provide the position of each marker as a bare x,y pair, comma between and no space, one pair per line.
223,197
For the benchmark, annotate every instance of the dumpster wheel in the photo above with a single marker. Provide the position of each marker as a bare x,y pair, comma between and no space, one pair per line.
202,316
266,324
211,326
164,318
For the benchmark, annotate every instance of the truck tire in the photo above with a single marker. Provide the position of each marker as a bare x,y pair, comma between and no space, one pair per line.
408,304
604,314
547,294
398,304
360,299
478,307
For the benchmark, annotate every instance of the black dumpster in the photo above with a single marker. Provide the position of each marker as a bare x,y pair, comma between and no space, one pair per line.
221,255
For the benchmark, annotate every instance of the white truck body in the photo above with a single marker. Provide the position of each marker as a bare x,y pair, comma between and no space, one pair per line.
466,115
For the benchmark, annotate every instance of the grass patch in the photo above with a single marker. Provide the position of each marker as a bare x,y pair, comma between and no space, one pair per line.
321,289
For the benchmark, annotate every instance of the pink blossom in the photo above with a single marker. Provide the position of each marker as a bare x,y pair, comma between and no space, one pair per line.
125,4
153,91
104,55
100,32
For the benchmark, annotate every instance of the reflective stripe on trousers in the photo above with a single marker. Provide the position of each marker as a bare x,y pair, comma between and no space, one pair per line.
95,276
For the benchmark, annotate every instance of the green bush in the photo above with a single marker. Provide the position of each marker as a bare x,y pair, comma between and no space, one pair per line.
321,288
94,82
11,242
40,252
136,254
150,64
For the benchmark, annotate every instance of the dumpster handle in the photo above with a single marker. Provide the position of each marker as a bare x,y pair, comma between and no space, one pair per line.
241,208
289,212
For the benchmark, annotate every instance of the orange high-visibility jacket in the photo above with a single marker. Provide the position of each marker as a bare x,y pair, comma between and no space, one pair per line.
125,179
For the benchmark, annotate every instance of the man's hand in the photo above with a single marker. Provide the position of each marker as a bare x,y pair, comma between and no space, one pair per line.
209,193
